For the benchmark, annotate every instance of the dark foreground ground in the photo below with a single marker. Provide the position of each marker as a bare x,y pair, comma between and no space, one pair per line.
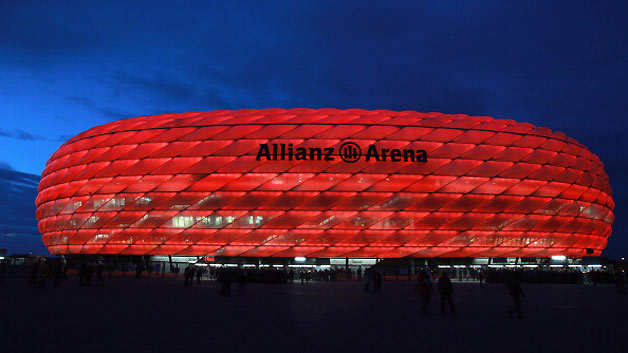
160,315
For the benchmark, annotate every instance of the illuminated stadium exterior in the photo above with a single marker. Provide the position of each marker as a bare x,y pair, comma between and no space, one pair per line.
324,183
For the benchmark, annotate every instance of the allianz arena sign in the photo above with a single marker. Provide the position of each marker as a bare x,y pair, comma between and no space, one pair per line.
324,183
349,152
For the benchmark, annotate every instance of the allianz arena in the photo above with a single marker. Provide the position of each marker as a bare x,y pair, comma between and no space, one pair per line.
324,183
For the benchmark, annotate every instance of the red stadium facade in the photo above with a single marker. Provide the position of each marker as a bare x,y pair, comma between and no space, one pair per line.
324,183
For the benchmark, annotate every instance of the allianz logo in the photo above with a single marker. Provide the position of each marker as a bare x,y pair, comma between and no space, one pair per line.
349,152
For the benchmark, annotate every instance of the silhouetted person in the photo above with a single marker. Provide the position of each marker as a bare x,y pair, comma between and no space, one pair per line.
100,280
619,282
43,272
359,273
424,287
377,281
446,292
138,271
481,278
3,270
199,274
187,276
367,280
32,278
242,280
515,291
224,276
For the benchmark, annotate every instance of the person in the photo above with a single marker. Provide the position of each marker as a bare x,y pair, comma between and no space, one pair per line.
138,271
44,272
481,278
199,274
515,291
377,281
32,278
3,270
242,280
186,276
424,287
100,280
359,273
446,292
367,280
619,282
224,276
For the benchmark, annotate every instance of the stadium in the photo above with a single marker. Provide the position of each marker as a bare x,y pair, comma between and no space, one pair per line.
324,185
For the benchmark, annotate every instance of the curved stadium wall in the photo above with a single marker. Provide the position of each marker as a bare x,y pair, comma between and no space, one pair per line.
253,183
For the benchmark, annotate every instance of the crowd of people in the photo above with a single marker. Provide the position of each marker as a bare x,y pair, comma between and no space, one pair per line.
568,275
42,270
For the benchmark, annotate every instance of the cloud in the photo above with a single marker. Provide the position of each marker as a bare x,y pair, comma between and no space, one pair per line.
5,165
164,90
109,113
19,134
64,138
18,226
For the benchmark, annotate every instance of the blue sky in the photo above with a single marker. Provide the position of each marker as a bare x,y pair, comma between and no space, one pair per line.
67,66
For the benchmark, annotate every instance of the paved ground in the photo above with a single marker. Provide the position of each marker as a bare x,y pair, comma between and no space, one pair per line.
160,315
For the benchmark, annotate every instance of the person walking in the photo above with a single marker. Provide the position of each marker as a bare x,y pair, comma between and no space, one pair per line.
516,293
224,276
186,276
32,278
138,271
481,277
367,280
3,270
424,287
44,272
446,292
377,281
199,275
619,282
242,280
